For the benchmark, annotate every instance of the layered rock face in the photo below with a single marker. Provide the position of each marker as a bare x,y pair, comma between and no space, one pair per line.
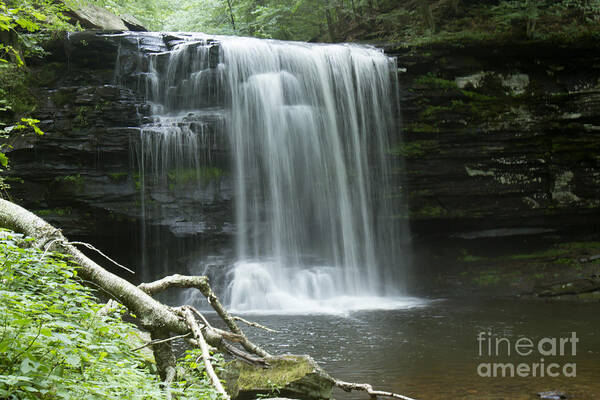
86,174
498,140
501,139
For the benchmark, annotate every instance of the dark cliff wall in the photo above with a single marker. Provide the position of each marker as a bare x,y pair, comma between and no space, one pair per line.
499,139
84,173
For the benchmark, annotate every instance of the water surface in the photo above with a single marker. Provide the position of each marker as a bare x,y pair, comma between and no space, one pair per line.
432,352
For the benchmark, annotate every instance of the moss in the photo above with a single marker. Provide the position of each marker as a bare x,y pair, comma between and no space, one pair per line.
101,106
487,278
81,120
432,81
564,253
204,175
429,212
474,108
76,180
282,371
466,257
415,148
419,127
478,96
61,212
420,193
137,181
118,176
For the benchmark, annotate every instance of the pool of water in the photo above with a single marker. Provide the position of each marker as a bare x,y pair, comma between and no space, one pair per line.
432,352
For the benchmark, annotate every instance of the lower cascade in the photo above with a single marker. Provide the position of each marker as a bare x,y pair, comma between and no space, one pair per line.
308,128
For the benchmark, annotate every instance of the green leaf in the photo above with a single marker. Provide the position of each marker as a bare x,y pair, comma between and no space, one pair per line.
39,16
3,160
27,24
73,360
27,366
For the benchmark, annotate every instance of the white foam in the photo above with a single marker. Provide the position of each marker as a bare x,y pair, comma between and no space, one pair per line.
266,288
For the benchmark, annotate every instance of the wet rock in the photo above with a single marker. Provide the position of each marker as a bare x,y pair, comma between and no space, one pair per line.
497,137
552,395
578,286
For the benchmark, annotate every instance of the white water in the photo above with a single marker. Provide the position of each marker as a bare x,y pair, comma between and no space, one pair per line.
308,127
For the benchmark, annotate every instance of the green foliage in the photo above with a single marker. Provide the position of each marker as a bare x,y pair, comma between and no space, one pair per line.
414,22
118,176
205,175
55,345
81,119
432,81
286,19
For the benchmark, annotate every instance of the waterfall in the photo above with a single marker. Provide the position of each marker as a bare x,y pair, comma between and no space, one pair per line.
308,128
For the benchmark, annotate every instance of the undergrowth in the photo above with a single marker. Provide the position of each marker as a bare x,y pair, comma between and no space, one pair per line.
54,344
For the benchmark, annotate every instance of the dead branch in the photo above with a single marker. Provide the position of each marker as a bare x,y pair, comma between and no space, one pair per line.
178,281
158,341
193,324
89,246
201,283
254,324
365,387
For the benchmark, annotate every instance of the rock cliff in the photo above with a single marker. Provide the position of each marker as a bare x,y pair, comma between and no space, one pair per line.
498,139
501,138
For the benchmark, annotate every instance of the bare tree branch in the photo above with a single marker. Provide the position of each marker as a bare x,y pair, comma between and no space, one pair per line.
153,342
254,324
365,387
193,324
201,283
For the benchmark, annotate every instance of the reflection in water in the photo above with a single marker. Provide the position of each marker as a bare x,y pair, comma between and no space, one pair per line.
432,352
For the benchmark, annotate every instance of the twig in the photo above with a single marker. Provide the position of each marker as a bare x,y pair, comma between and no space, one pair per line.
201,317
255,324
89,246
201,283
47,247
193,324
365,387
162,341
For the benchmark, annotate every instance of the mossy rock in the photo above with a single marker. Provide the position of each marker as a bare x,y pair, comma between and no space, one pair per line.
293,376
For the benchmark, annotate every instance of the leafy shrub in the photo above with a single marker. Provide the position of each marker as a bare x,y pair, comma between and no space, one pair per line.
55,345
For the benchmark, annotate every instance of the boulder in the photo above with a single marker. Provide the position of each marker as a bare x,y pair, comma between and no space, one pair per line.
91,16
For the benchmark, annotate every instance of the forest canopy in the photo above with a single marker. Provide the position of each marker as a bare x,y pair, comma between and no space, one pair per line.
368,20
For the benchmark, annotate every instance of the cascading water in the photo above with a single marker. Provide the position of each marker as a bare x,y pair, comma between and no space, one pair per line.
308,128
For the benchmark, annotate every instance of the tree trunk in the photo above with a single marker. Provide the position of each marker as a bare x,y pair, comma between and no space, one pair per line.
231,17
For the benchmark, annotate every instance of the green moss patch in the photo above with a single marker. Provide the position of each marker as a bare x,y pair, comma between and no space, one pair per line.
415,148
282,371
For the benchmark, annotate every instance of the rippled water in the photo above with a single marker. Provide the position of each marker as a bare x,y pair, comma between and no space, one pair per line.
432,352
